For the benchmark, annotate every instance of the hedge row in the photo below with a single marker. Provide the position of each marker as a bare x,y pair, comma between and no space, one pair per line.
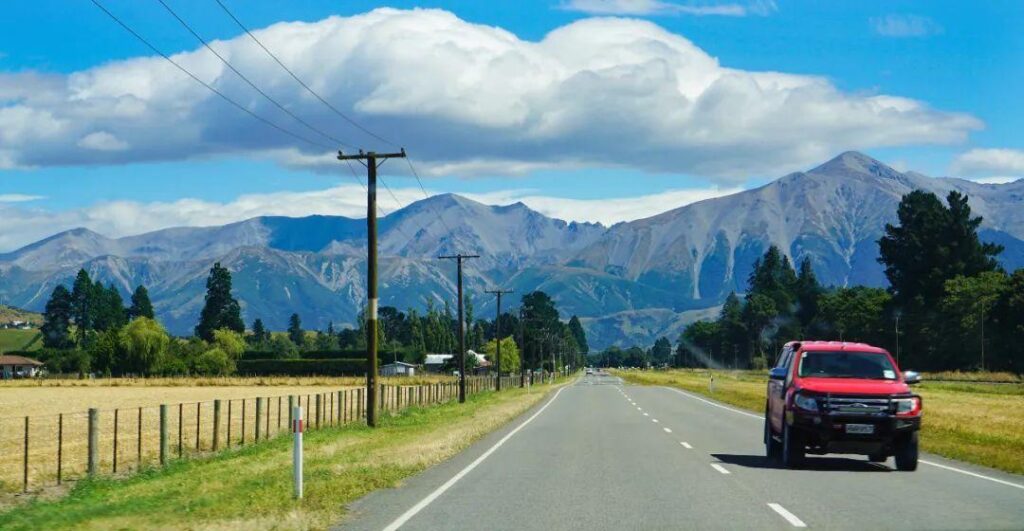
324,355
302,367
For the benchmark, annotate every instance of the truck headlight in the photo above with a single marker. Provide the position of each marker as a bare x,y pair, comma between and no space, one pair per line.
908,407
805,402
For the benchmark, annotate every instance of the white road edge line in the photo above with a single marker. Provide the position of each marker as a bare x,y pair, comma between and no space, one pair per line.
686,445
401,520
931,463
719,468
974,474
667,430
790,517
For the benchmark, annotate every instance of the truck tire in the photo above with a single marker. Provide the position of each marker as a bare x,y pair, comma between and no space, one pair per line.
906,453
792,447
772,448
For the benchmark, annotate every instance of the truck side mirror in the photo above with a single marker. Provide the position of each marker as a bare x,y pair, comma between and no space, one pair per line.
777,373
911,377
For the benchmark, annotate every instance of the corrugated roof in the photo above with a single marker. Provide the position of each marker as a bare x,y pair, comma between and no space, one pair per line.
7,359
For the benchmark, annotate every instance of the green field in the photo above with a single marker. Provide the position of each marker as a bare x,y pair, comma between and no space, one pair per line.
11,340
974,422
250,488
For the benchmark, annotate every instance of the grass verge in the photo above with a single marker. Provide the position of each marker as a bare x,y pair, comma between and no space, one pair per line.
251,488
973,422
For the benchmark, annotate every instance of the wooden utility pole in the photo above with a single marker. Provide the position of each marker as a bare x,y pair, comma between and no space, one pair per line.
462,332
497,334
369,160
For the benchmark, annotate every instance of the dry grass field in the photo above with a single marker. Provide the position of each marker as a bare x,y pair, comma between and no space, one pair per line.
58,418
981,423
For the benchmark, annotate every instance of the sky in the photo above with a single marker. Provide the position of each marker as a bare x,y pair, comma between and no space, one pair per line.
588,110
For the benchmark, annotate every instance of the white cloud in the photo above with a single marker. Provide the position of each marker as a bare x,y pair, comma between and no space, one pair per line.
996,180
19,198
659,7
905,26
102,141
990,162
23,226
464,99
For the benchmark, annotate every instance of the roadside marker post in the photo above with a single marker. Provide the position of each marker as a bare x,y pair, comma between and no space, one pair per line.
297,429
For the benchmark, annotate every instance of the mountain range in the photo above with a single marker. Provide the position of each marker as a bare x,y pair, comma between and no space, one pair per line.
630,283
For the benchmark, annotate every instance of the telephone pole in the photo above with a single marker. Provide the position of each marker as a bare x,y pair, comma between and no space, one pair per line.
462,332
369,160
497,334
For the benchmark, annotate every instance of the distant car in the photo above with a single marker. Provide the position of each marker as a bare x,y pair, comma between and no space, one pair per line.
590,371
837,397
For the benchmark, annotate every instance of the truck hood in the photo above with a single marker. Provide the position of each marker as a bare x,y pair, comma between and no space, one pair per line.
854,386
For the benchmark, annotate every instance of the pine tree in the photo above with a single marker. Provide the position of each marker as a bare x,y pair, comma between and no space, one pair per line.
57,319
108,308
82,297
141,306
259,332
807,292
295,332
579,335
221,309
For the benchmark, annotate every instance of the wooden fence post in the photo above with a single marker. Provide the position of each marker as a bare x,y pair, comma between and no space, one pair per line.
259,417
138,442
25,487
163,434
227,442
60,445
317,412
243,421
291,407
116,415
181,440
216,424
199,416
94,440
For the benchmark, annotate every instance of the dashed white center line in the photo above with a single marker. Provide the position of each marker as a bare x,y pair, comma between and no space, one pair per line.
790,517
667,430
654,420
719,468
686,445
646,415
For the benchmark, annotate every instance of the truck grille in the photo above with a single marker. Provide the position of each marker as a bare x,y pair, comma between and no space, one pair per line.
853,405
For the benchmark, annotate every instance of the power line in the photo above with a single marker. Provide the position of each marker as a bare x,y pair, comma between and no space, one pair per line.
300,81
203,83
246,79
333,109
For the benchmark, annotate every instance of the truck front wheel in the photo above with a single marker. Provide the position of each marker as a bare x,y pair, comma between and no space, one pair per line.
906,453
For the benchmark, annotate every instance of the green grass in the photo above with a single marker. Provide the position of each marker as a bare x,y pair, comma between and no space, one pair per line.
12,340
251,488
973,422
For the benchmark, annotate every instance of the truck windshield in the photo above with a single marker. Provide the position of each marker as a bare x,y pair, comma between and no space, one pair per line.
868,365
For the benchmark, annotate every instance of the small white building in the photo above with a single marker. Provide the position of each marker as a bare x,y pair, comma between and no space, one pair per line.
398,368
18,367
434,362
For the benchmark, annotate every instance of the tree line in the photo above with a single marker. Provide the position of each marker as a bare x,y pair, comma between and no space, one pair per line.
90,330
949,304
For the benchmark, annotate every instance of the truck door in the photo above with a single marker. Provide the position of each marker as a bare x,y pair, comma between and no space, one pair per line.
777,392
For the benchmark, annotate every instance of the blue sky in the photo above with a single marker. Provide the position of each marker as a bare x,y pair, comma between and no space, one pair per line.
588,125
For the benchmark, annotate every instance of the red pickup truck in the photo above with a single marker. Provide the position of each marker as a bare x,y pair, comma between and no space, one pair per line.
837,397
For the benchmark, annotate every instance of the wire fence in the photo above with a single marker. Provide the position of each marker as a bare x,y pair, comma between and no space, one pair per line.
46,450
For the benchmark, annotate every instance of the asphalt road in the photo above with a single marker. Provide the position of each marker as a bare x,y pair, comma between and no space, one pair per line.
604,455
